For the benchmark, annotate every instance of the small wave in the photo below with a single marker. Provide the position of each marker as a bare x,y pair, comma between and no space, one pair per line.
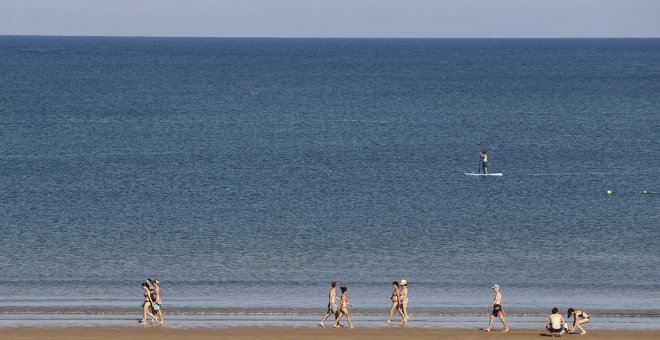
300,313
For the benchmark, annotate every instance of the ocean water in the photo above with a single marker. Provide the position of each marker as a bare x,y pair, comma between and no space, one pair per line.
247,174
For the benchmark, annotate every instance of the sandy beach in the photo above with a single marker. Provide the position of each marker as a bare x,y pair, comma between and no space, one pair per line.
295,333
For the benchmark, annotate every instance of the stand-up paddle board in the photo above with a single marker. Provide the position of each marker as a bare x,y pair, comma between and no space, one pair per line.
483,175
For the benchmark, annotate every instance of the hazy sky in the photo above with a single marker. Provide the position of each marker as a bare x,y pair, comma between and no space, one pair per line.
333,18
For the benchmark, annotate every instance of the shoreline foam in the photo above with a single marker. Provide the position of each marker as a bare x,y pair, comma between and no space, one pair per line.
177,321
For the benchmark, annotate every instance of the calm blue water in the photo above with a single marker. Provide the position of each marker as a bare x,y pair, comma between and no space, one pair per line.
246,174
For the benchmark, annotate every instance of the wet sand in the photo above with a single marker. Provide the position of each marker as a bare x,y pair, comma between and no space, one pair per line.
148,333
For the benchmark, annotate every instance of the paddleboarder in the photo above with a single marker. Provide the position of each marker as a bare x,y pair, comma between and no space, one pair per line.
483,158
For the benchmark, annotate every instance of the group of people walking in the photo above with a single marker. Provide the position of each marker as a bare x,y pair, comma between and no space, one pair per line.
332,306
151,306
555,324
399,300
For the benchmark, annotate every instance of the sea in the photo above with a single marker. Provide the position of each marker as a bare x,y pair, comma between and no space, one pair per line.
248,174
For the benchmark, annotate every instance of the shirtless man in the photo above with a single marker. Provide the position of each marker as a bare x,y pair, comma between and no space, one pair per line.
483,157
497,310
332,304
555,323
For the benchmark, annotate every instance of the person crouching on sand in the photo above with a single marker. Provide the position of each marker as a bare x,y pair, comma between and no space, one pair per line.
343,308
579,318
148,303
498,312
395,297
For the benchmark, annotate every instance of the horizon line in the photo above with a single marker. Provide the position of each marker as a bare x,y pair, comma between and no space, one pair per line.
313,37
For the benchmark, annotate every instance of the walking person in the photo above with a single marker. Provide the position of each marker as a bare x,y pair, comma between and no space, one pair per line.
332,304
497,311
147,303
395,298
403,301
579,318
343,308
158,304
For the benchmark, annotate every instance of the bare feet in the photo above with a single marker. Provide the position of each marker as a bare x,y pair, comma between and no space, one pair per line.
505,330
486,329
321,324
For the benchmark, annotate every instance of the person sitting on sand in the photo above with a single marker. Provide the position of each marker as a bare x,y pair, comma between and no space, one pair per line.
343,308
332,304
579,318
555,323
395,298
148,303
497,310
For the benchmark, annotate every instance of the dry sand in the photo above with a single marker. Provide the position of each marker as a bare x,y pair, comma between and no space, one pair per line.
155,333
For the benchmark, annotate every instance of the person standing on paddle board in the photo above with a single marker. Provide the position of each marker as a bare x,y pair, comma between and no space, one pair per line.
483,157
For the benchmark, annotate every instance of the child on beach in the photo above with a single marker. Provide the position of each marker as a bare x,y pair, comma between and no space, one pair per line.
343,308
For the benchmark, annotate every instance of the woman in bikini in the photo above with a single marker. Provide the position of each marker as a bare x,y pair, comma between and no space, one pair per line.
158,310
403,302
147,304
579,318
343,308
395,301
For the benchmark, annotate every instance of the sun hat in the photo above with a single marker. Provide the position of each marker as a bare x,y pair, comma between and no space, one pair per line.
403,282
496,286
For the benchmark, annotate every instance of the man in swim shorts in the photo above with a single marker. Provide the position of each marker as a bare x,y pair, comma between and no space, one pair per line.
332,304
497,311
483,157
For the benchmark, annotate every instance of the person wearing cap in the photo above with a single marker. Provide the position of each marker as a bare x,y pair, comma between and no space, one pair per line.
403,301
497,311
158,304
579,318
